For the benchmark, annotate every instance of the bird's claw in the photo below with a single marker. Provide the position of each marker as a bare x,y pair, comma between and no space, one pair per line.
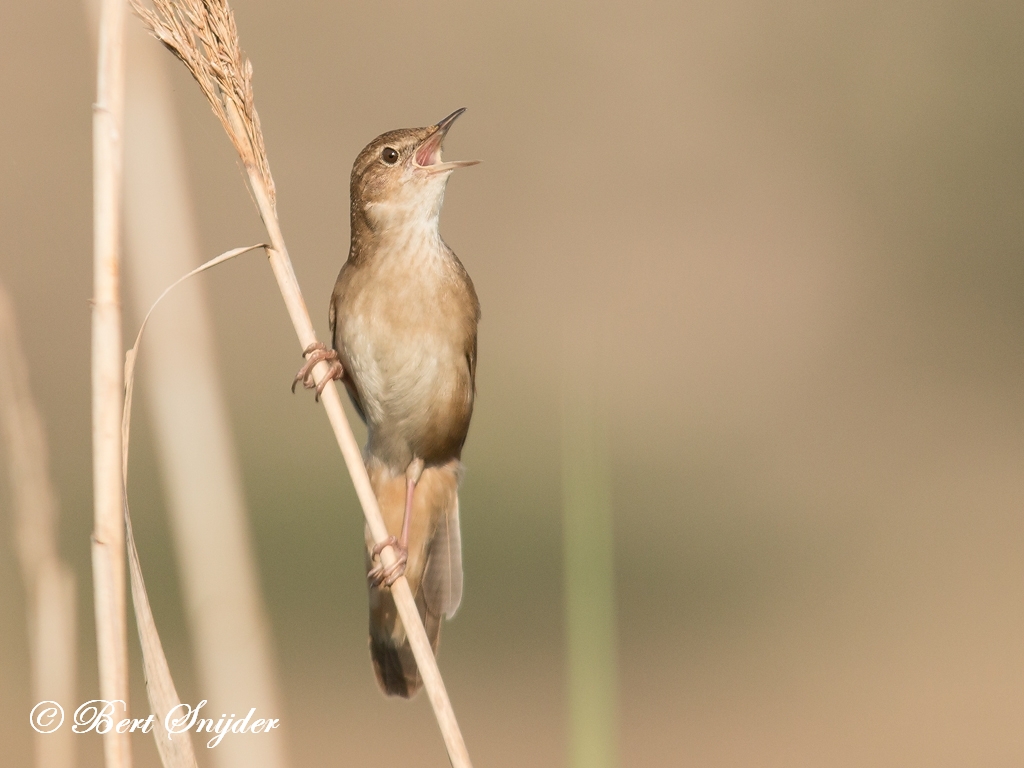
316,353
388,575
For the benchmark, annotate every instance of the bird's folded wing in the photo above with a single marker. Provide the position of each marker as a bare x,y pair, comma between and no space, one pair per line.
442,578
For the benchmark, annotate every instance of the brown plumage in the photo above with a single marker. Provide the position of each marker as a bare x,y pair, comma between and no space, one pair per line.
404,319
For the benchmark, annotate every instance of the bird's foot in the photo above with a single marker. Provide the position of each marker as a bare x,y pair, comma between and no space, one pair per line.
315,353
388,575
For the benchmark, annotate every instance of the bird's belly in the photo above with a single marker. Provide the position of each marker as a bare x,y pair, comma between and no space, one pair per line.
414,385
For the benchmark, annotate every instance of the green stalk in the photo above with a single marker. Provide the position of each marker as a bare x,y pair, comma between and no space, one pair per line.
589,558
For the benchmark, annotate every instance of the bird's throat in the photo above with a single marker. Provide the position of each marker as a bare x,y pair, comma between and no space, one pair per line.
408,243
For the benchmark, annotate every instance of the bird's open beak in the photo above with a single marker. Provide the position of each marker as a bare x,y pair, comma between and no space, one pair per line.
428,156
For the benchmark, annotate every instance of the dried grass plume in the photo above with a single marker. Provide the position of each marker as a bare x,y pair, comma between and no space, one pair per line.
203,36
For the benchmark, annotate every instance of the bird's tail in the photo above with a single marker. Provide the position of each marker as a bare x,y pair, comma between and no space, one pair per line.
433,570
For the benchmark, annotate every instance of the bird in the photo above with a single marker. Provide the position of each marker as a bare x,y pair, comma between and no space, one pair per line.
403,318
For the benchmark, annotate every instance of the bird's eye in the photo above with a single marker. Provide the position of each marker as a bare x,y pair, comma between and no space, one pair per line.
389,155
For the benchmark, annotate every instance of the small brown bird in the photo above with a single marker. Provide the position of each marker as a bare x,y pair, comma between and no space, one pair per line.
404,320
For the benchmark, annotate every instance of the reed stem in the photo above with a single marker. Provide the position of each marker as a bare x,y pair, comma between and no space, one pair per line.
108,538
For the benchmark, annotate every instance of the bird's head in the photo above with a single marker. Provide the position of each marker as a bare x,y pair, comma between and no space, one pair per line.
399,178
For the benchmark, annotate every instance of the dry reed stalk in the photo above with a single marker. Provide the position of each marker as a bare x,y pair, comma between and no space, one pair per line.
108,546
202,34
206,506
49,583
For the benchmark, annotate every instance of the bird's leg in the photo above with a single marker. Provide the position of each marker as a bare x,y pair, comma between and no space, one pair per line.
315,353
387,576
412,476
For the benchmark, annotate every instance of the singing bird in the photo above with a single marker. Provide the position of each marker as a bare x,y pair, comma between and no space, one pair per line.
404,318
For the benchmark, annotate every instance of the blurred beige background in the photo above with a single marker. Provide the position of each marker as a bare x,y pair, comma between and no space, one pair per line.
793,232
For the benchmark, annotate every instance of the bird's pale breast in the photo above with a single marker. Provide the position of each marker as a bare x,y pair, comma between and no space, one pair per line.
406,333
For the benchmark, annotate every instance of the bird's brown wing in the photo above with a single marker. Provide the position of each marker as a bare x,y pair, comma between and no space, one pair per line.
471,360
442,577
332,319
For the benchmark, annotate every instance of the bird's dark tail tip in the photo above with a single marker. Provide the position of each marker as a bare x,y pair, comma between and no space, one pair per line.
394,663
395,666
